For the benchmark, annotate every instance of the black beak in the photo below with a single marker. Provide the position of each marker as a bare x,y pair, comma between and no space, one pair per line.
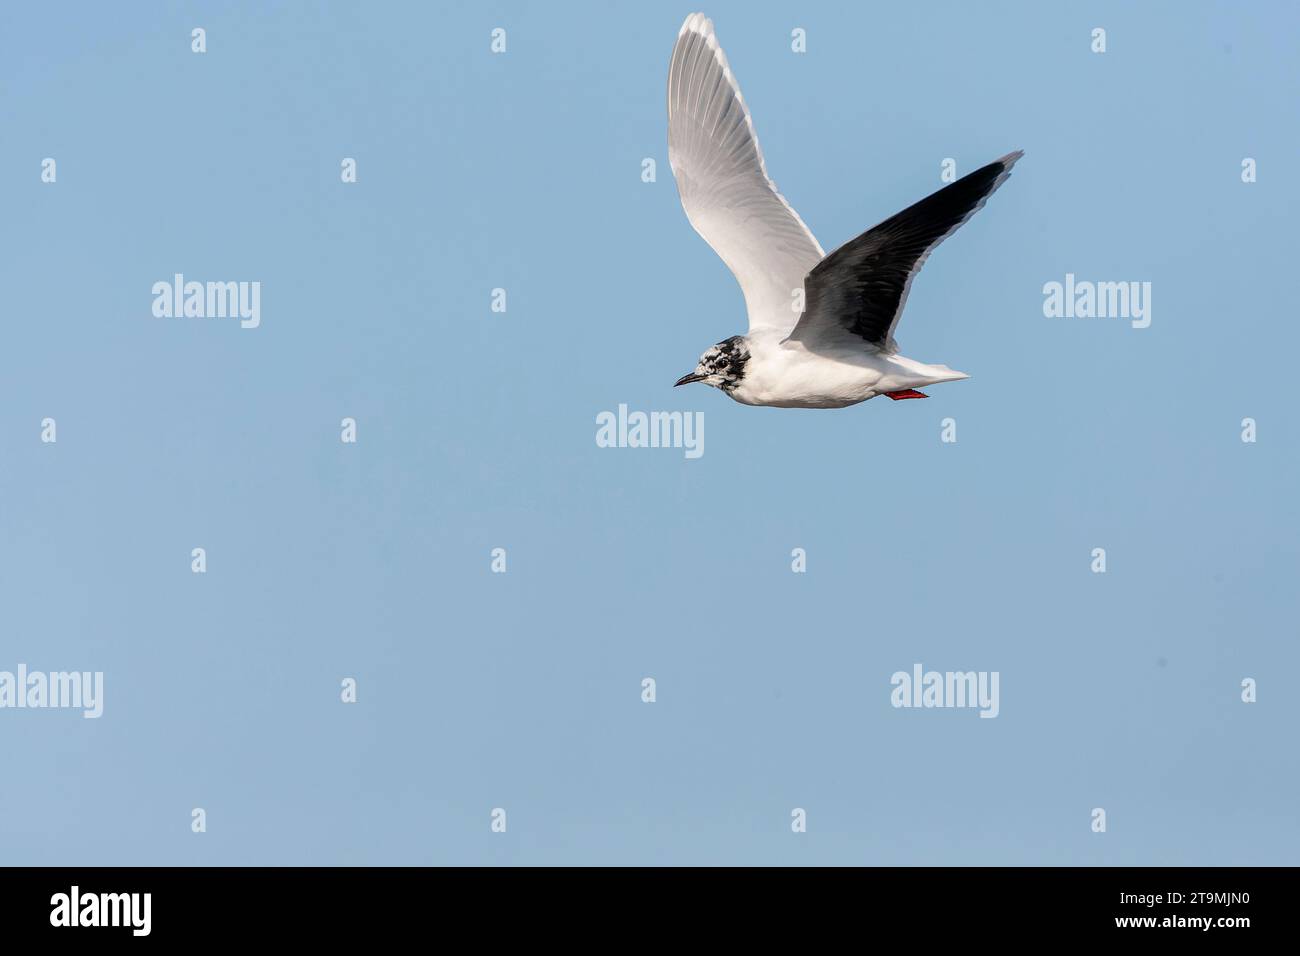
687,379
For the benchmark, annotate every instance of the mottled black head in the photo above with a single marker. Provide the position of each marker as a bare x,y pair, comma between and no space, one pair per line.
722,366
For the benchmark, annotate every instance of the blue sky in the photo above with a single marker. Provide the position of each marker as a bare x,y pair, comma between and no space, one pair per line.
476,431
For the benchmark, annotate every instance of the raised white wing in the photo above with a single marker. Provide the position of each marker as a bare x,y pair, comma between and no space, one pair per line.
723,181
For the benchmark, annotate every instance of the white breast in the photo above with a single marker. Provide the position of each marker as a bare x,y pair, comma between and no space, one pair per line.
787,375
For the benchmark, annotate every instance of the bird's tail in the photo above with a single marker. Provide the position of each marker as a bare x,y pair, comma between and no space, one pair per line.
943,373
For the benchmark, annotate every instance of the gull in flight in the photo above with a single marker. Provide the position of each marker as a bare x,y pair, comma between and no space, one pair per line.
821,327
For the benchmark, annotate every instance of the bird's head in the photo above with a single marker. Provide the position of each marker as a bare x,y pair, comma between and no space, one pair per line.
722,366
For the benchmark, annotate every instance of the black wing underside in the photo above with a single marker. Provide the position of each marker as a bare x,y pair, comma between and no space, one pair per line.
861,287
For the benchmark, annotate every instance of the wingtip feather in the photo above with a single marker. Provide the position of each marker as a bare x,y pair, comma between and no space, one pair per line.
1010,159
698,23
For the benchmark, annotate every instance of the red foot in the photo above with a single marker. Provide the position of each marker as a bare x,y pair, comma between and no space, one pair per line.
906,393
